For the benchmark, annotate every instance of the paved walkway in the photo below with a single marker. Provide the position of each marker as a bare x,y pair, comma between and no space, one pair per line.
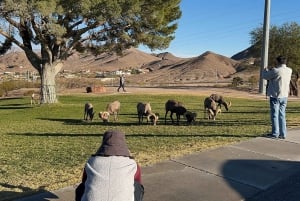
261,169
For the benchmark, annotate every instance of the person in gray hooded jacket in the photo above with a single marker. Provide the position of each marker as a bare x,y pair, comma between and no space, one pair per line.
278,90
111,174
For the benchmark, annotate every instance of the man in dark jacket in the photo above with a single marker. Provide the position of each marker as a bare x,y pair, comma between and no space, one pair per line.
122,83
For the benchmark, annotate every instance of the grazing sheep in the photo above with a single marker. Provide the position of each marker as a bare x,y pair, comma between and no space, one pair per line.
89,90
174,107
143,109
104,116
112,108
220,100
35,99
153,118
210,108
88,112
190,116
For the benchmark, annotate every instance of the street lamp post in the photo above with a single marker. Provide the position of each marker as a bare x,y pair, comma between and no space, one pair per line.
265,47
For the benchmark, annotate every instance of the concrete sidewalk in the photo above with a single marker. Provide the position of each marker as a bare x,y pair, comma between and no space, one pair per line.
261,169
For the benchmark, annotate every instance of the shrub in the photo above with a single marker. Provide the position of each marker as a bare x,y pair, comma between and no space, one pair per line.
253,80
237,81
73,83
10,85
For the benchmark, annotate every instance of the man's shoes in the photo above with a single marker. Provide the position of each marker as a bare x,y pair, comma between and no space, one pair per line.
281,137
271,136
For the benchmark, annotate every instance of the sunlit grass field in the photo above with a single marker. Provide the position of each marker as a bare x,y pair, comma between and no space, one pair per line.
44,147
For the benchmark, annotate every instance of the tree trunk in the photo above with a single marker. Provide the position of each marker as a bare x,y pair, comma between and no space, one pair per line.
48,87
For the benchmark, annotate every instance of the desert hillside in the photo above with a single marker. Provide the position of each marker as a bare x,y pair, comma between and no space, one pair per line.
208,67
159,68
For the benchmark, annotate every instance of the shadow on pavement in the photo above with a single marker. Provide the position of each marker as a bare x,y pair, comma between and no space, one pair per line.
20,192
273,179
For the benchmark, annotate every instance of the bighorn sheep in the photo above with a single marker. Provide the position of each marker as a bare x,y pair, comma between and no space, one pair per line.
143,109
104,116
190,116
174,107
153,118
111,108
35,98
210,108
88,112
220,100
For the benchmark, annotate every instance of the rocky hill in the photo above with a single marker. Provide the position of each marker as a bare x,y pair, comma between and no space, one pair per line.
160,68
205,68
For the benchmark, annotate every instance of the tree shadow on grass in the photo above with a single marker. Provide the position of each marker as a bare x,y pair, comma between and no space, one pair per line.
240,122
199,122
20,193
143,135
81,122
14,106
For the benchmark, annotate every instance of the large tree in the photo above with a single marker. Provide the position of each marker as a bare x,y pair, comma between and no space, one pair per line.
60,27
283,40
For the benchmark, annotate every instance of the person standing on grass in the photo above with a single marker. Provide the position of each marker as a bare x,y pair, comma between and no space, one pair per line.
278,91
111,174
122,83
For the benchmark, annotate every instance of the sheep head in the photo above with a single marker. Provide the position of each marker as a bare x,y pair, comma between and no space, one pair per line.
226,105
104,116
153,118
190,116
92,115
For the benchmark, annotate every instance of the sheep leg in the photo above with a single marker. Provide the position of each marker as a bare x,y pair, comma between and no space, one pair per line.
207,113
212,114
139,118
171,116
85,115
166,117
178,118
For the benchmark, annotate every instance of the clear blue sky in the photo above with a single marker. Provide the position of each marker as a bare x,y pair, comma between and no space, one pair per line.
223,26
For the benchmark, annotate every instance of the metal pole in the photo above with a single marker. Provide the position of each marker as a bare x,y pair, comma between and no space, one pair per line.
265,46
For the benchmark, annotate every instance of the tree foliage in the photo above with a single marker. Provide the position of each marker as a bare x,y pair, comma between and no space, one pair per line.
283,40
59,27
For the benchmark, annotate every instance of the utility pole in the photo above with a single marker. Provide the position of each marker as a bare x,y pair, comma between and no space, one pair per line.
265,47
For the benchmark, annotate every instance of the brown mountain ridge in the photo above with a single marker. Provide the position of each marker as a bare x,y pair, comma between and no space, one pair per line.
162,68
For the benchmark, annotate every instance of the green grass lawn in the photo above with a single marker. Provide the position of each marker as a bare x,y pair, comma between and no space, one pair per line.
45,147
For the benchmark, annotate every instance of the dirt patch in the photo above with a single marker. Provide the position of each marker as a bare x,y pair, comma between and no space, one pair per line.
191,90
200,91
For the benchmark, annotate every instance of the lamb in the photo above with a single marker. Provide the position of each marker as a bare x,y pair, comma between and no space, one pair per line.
153,118
35,98
220,100
174,107
88,112
210,108
104,116
143,109
112,108
190,116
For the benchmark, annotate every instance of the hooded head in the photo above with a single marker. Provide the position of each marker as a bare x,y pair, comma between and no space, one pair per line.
281,60
113,144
